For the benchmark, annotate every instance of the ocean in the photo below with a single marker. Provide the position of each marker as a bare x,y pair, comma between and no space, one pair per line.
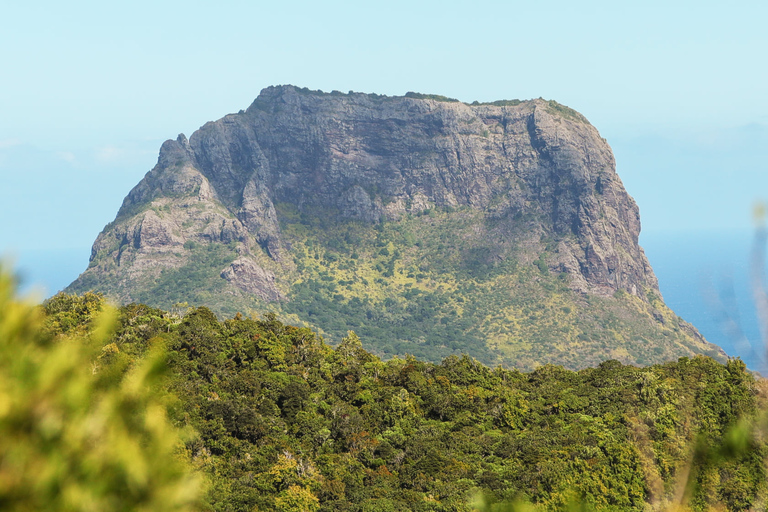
705,278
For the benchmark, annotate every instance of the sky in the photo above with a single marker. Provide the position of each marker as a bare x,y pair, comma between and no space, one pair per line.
90,90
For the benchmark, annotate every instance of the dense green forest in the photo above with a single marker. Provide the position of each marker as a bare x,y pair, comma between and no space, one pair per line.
273,418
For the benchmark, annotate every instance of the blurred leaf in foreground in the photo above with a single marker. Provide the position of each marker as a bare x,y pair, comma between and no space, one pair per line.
79,430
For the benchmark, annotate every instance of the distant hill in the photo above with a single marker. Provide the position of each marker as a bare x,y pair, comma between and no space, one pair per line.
429,226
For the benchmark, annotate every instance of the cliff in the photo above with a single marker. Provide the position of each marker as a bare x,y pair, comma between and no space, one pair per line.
323,205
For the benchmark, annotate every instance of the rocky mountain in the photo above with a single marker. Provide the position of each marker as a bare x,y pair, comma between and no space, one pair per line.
427,225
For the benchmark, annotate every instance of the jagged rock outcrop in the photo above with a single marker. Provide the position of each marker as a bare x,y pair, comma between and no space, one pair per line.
250,277
541,175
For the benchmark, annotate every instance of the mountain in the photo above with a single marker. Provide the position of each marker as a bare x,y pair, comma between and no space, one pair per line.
427,225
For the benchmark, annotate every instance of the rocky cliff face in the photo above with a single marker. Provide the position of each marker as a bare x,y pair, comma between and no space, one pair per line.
539,175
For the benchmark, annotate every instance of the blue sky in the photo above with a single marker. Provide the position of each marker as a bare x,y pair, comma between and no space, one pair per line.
90,90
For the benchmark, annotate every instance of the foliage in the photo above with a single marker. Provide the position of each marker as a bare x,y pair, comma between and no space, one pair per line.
197,281
558,109
82,425
443,283
285,422
436,97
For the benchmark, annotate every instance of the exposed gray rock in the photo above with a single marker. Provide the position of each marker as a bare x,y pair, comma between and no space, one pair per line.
357,204
155,233
250,277
372,158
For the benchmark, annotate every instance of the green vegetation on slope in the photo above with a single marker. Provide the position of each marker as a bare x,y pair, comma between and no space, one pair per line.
435,97
447,282
284,422
197,281
438,283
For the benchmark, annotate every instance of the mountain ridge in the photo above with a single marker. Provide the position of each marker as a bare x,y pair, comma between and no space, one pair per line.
249,203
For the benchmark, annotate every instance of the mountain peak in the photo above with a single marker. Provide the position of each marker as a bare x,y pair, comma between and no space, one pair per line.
302,186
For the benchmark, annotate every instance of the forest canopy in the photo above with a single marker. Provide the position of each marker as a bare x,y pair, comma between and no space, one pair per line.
143,409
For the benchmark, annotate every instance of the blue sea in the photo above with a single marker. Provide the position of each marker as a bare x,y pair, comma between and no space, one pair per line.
44,272
703,276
